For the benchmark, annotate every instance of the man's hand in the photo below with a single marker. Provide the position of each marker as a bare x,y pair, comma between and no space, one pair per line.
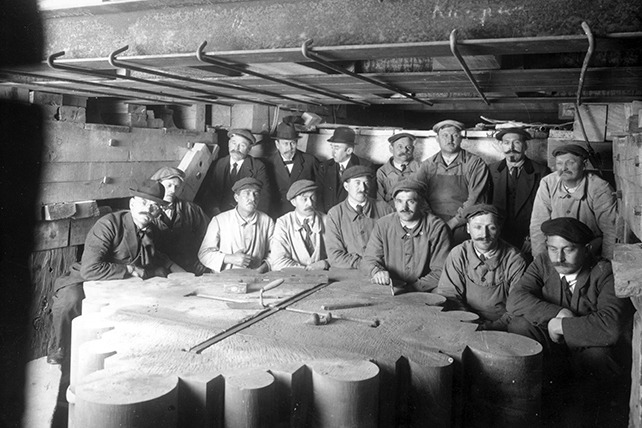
555,330
238,259
565,313
320,265
263,268
382,278
136,271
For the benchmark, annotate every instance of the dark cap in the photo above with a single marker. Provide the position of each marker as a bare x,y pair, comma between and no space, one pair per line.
286,131
356,171
245,183
245,133
568,228
518,131
167,172
573,149
401,135
409,185
343,134
480,209
152,190
448,122
300,186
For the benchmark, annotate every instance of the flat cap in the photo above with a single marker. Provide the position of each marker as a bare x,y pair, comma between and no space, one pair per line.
343,134
568,228
300,186
286,131
356,171
152,190
245,133
245,183
448,122
401,135
480,209
573,149
518,131
409,185
167,172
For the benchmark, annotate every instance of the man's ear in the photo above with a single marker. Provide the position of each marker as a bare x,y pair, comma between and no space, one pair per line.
236,197
292,202
390,148
349,150
467,228
345,185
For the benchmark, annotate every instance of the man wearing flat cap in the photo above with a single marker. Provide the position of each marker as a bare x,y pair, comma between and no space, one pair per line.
215,194
240,237
350,223
566,301
455,179
120,245
515,182
330,181
400,166
410,244
181,224
298,236
572,191
480,272
287,166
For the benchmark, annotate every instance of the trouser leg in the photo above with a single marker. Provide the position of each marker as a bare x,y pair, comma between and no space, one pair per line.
66,305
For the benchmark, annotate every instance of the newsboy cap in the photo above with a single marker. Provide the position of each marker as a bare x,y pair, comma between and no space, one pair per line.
480,209
343,134
568,228
573,149
401,135
245,183
356,171
245,133
152,190
518,131
167,172
409,185
448,122
286,131
300,186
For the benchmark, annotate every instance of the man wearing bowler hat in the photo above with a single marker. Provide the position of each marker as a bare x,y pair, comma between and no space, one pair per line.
216,195
298,236
240,237
572,191
455,179
332,191
400,166
120,245
515,182
287,166
351,221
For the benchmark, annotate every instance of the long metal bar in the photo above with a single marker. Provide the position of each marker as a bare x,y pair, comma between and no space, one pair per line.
233,67
464,66
118,94
96,73
307,52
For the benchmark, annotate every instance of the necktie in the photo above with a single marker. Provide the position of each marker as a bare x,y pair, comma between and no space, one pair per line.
482,257
360,210
513,172
288,162
341,169
307,237
403,167
234,171
567,290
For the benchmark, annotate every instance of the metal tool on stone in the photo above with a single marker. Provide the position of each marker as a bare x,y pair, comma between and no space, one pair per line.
248,305
329,317
345,305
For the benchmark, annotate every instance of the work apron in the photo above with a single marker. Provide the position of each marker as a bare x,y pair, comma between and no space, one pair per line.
446,194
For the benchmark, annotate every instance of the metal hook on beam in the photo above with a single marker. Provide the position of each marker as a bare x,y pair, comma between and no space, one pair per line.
307,52
128,65
236,68
464,66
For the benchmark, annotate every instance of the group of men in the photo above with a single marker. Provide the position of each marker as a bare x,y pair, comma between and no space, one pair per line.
451,225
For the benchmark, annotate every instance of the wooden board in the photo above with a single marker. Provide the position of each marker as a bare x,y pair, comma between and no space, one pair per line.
51,234
195,164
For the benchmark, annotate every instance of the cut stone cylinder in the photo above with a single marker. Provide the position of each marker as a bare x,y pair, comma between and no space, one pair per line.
249,399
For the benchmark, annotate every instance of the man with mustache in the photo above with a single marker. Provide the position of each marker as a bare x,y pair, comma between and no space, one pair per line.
400,166
330,180
215,194
287,166
410,244
572,191
240,237
480,272
298,236
566,301
515,182
119,245
455,179
351,221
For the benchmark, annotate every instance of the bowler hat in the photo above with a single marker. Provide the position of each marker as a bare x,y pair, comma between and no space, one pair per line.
448,122
409,185
568,228
152,190
356,171
343,134
480,209
286,131
245,133
518,131
573,149
245,183
401,135
300,186
167,172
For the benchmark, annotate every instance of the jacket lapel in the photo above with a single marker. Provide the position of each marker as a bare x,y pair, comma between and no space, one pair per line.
502,185
130,236
297,167
525,185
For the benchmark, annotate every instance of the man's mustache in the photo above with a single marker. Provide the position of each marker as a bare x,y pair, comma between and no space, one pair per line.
513,152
